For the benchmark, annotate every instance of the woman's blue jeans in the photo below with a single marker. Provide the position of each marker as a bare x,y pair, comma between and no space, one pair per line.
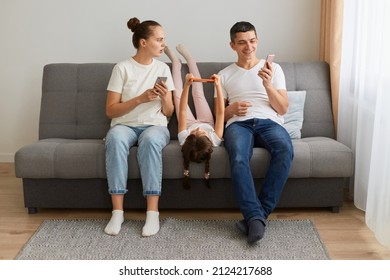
150,140
240,138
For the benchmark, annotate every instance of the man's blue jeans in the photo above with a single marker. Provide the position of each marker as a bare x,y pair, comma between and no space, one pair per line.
240,138
150,140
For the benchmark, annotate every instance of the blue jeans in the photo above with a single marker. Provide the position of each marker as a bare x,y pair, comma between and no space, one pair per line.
150,140
240,138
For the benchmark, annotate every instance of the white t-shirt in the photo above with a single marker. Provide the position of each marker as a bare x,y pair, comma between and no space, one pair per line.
239,84
182,136
130,79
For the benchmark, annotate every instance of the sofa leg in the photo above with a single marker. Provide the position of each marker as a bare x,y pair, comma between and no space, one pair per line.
32,210
335,209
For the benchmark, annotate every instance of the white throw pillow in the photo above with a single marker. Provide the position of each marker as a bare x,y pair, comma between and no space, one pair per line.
293,119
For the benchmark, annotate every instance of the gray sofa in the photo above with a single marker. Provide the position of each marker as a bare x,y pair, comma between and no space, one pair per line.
65,168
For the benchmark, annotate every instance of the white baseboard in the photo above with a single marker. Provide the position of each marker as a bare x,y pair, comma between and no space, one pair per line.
7,157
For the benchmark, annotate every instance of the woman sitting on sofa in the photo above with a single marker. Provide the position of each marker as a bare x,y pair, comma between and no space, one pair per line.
139,109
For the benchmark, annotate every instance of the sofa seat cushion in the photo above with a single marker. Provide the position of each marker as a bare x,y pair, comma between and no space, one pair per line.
318,157
84,158
61,158
321,157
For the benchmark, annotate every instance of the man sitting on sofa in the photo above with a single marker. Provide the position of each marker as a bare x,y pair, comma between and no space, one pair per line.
256,99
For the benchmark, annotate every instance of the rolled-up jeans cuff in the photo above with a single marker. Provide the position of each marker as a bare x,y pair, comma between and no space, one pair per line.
147,193
113,192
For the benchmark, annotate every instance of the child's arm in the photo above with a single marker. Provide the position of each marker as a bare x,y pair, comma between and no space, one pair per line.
182,118
219,108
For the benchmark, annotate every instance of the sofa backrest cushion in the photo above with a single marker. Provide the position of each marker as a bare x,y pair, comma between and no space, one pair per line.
74,97
74,100
314,78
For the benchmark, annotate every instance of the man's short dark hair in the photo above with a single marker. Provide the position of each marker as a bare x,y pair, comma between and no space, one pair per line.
241,26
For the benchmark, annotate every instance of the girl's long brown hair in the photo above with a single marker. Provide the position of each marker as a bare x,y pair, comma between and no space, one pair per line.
196,149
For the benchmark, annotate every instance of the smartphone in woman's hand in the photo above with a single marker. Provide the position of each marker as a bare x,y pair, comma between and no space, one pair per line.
160,79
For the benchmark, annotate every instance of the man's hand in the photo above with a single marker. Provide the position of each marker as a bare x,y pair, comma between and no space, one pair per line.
266,75
239,108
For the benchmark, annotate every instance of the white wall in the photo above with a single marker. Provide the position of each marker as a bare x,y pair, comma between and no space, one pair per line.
36,32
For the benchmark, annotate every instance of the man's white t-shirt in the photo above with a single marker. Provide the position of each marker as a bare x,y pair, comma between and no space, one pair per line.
239,84
130,79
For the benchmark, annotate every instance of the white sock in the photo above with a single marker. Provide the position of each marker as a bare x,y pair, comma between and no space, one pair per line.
152,224
114,225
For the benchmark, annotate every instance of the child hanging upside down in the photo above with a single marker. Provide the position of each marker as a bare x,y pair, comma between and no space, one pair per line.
196,136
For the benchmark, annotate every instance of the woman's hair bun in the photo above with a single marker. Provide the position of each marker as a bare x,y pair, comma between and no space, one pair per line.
133,23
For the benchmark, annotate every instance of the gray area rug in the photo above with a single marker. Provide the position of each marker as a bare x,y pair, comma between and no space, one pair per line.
177,239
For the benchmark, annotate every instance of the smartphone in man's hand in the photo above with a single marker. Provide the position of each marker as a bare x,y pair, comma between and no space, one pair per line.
270,59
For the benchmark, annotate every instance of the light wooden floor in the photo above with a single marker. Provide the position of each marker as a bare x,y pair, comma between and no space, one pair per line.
344,234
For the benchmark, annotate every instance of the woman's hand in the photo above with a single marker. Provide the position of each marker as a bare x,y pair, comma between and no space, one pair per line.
161,90
148,95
